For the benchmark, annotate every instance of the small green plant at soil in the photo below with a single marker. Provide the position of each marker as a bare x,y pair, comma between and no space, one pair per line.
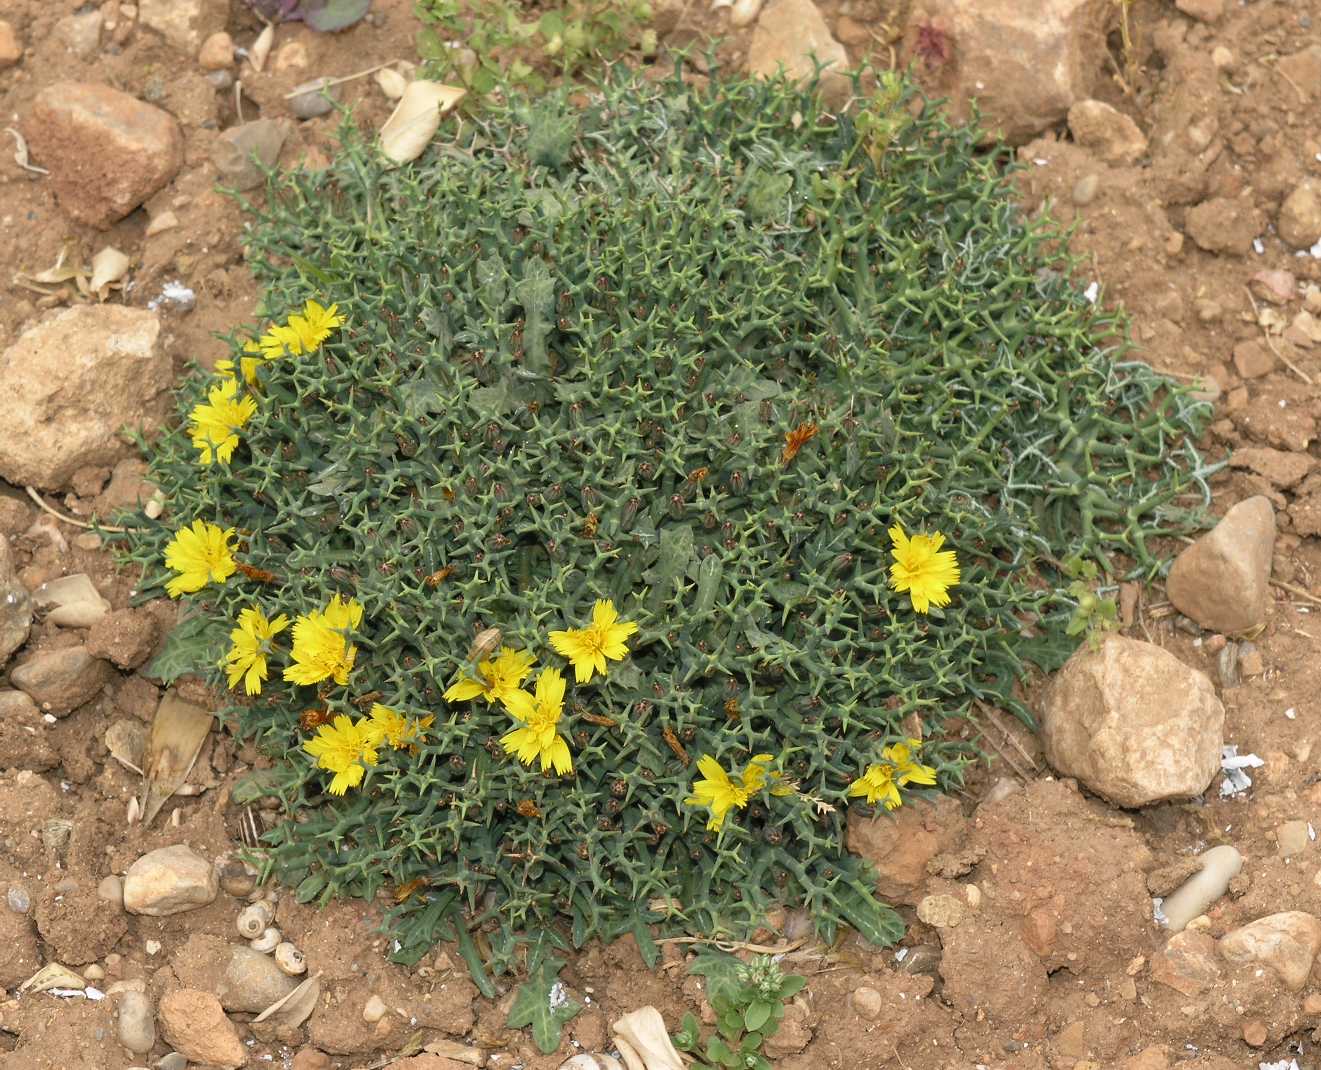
748,1000
1095,615
488,43
615,498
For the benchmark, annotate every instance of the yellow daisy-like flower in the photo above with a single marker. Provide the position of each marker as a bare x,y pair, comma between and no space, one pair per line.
501,677
720,793
587,648
903,756
321,644
278,341
216,422
394,728
877,785
345,749
538,736
248,364
314,325
200,554
251,647
922,568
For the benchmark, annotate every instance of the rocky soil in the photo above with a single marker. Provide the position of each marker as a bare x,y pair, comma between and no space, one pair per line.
1059,914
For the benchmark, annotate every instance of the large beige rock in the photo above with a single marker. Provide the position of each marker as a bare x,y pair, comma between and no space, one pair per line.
106,151
184,23
194,1024
170,880
71,383
1025,64
1286,942
900,843
788,34
1222,581
1133,723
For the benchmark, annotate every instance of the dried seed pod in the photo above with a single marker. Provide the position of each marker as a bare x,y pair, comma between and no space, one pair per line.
253,920
290,959
268,941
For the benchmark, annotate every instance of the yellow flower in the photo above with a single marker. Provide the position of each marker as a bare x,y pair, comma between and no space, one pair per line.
587,648
903,756
721,793
321,644
503,676
538,736
314,325
247,364
345,749
877,785
278,341
922,568
394,728
199,554
216,423
246,659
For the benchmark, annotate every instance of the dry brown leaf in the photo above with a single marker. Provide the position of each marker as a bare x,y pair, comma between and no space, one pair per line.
177,735
52,975
644,1042
416,117
127,742
261,48
392,83
295,1008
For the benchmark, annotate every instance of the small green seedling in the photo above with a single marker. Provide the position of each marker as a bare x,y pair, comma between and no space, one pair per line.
749,1004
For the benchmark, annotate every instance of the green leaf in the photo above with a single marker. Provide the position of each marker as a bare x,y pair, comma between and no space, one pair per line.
195,644
542,1003
688,1035
757,1014
721,973
875,922
308,889
718,1051
792,985
551,23
329,15
730,1024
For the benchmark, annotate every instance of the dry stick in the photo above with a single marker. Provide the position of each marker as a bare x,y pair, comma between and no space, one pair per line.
1296,88
1009,736
326,83
1267,335
1007,760
32,493
1297,592
737,945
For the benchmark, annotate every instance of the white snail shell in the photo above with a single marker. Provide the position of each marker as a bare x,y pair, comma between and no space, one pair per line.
254,919
267,941
290,959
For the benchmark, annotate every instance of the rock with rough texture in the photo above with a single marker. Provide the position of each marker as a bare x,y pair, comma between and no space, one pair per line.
170,880
194,1024
1026,65
788,34
311,1059
1280,468
1133,723
184,23
1299,221
1110,134
252,981
1222,581
77,925
216,53
1187,963
11,49
1225,225
1005,985
23,741
125,636
900,843
1253,359
107,152
1202,10
234,151
71,601
59,681
1286,942
136,1026
71,383
15,605
20,955
80,33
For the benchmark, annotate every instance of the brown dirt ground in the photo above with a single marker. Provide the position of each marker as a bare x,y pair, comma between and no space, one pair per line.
1075,998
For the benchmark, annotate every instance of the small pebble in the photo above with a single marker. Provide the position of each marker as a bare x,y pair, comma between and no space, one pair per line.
222,80
1291,838
1254,1033
1085,190
93,973
373,1010
1222,57
137,1024
314,98
173,1061
217,53
111,889
152,947
311,1059
867,1002
18,899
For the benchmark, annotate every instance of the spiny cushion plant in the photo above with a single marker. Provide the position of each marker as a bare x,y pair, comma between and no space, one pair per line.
582,544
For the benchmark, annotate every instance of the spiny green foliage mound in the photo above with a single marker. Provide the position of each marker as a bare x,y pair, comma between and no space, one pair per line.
576,341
